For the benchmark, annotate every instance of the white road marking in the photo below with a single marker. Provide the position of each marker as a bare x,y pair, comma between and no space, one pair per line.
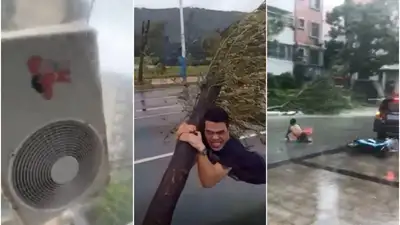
149,159
157,108
157,115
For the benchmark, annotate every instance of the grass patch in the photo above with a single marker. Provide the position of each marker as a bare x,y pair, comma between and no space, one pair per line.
148,85
172,71
114,207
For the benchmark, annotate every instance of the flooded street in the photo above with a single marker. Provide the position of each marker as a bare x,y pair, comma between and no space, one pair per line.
335,189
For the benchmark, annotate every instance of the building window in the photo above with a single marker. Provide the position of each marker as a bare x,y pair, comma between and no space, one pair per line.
272,49
301,23
280,51
314,57
301,52
314,32
289,54
315,4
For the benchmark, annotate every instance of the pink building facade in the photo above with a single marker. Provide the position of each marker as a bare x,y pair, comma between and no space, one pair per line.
308,35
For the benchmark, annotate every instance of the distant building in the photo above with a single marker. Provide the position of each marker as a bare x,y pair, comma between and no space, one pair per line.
303,36
280,47
308,33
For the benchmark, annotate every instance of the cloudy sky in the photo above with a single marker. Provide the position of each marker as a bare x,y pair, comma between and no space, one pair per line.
113,21
330,4
225,5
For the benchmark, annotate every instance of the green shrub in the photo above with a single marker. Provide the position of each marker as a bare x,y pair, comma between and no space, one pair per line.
287,81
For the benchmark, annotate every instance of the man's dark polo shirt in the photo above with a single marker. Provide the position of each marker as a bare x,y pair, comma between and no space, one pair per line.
245,165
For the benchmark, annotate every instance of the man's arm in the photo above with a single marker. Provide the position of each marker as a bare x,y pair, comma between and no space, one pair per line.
209,174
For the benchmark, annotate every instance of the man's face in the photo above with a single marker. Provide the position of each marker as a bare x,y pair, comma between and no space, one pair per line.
216,134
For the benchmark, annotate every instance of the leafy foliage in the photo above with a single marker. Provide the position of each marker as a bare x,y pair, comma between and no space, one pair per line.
320,96
333,48
369,33
211,42
115,205
276,24
284,81
239,68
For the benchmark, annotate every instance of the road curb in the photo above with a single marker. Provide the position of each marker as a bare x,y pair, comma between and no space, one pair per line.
306,157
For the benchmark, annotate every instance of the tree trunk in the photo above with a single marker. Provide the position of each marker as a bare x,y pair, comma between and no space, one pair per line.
145,31
162,206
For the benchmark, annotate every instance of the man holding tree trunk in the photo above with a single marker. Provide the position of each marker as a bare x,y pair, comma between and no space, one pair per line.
220,154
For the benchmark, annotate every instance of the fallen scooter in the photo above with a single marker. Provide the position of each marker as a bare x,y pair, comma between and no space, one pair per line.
378,148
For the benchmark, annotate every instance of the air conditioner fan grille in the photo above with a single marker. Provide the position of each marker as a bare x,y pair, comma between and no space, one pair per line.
34,175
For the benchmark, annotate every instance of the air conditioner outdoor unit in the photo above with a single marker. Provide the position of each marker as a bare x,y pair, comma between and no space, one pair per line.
54,145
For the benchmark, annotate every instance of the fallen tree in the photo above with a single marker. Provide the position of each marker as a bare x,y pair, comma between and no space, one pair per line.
320,96
235,81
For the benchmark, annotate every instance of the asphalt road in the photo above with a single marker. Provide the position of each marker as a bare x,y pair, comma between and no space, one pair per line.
157,112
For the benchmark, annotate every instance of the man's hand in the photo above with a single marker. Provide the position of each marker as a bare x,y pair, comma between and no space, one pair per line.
185,128
194,139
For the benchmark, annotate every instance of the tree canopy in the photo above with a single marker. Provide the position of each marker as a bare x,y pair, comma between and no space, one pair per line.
364,37
275,25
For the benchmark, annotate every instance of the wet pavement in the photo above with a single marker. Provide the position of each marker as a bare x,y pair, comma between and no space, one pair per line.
324,183
335,189
157,112
329,132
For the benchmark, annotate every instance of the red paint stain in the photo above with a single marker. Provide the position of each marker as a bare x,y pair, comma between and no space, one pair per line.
47,76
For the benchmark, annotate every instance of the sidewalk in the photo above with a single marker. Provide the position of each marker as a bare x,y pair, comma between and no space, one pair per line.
334,190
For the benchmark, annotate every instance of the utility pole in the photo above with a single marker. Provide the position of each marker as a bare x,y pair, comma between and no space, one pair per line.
183,44
144,37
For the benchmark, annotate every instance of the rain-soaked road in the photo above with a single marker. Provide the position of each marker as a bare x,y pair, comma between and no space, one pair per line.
158,111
